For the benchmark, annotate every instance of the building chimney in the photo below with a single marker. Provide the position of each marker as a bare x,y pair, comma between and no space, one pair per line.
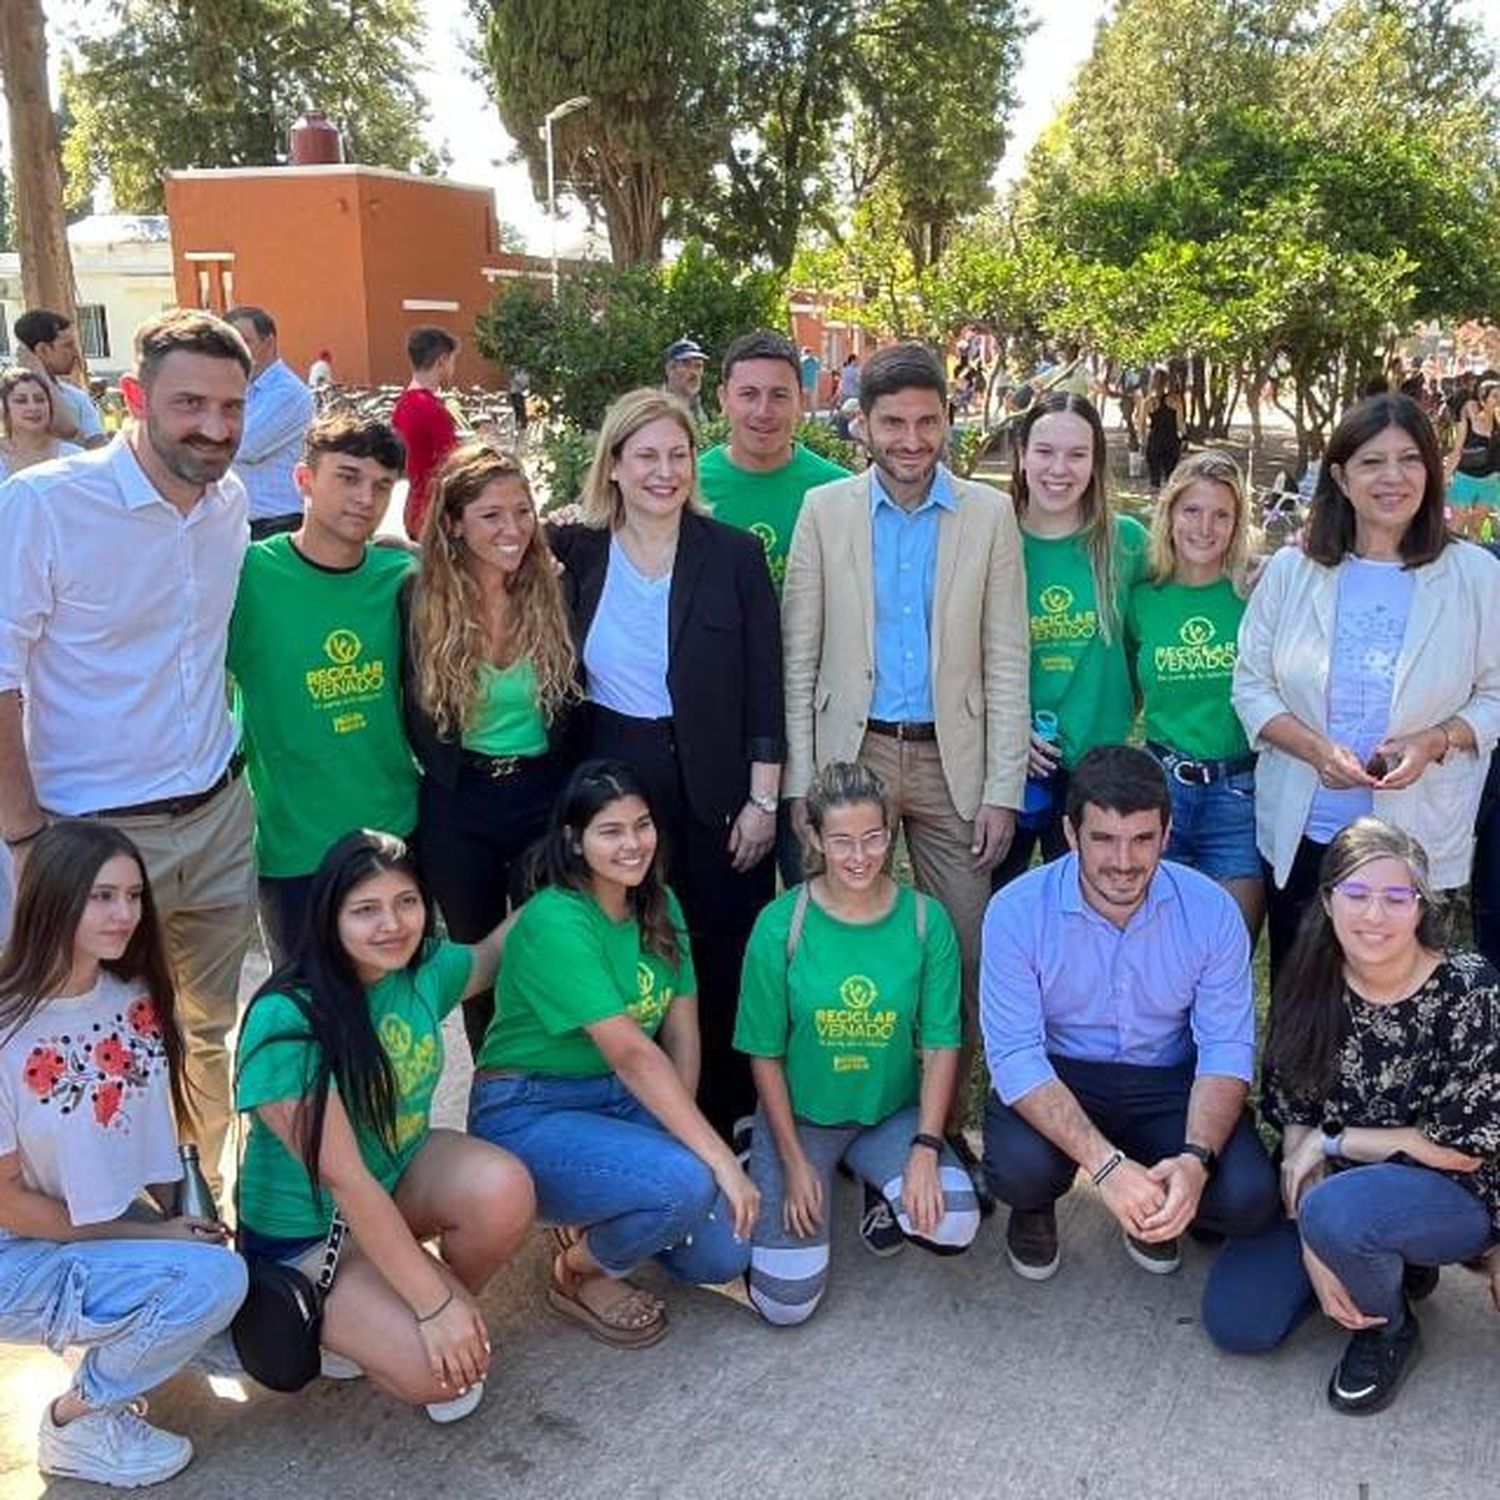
316,141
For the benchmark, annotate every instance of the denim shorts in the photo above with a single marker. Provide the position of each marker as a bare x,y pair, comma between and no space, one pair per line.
1213,827
1473,491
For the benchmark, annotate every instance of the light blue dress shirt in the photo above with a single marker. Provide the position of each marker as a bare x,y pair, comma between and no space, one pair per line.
626,653
278,412
903,549
1058,978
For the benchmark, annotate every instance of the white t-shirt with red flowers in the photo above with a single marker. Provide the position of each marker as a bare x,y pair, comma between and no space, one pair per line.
86,1101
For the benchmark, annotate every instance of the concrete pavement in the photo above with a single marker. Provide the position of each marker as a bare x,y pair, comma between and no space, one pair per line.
919,1377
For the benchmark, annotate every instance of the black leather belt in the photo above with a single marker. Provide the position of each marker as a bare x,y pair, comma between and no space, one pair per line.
175,807
1200,772
901,731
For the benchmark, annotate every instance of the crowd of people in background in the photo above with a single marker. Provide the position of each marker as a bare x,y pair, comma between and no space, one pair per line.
551,771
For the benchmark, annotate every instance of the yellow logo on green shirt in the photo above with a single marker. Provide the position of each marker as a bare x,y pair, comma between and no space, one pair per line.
342,646
649,1009
1197,656
857,992
347,678
1059,622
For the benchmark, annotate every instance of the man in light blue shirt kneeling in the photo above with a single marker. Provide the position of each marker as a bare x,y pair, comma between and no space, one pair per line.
1119,1027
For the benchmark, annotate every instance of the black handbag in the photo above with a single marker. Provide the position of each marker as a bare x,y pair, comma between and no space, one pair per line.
278,1330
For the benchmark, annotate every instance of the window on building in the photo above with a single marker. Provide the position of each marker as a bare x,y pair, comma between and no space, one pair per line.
4,331
93,330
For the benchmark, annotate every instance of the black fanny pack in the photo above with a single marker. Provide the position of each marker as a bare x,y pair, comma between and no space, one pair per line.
278,1331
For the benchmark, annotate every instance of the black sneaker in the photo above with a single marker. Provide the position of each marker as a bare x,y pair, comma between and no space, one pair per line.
959,1145
1419,1282
1373,1367
1160,1257
878,1227
1031,1242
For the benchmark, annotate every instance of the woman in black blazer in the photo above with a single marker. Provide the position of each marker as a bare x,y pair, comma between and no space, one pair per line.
680,638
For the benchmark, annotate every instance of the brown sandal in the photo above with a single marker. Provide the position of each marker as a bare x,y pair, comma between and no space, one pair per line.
615,1325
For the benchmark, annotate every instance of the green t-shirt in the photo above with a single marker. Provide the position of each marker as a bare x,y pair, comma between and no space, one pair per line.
1075,673
316,657
568,965
767,504
854,1007
277,1060
1185,639
508,718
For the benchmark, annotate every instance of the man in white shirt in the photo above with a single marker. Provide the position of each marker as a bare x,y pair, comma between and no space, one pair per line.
278,411
116,586
47,345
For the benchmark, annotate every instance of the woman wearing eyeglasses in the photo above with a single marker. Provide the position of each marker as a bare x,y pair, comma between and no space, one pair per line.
1368,676
849,1012
1382,1070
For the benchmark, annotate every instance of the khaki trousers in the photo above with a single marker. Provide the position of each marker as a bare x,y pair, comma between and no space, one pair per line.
940,843
202,872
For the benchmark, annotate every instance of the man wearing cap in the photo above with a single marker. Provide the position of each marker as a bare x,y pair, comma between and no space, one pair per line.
683,369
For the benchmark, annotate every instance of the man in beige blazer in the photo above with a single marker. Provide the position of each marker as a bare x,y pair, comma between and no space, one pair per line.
906,637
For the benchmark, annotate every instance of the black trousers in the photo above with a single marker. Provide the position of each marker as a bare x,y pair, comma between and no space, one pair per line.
473,838
719,903
1285,904
1050,836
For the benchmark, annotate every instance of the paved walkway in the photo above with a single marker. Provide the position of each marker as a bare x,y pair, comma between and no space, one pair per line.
919,1377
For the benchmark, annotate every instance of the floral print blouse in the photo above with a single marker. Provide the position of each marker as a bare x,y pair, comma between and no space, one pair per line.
1431,1060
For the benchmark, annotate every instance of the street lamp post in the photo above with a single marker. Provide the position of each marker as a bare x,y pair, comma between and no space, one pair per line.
553,115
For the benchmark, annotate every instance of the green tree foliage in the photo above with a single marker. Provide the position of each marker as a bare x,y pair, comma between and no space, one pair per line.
608,329
218,83
936,79
654,72
789,79
7,228
1268,186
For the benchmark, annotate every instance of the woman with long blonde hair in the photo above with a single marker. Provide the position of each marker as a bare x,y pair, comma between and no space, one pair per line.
680,640
490,677
1183,623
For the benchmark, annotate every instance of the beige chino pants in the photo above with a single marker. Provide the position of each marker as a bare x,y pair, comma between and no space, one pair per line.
202,872
940,843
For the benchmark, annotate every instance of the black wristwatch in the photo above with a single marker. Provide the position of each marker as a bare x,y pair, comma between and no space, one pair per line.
1210,1159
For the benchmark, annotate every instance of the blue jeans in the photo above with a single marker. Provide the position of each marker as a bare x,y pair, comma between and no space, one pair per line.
1365,1224
1144,1112
1213,827
602,1160
141,1308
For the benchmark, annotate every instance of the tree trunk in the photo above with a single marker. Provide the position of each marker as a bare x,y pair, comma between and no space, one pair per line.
36,169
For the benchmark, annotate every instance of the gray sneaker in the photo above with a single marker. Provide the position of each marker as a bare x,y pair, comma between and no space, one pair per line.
1160,1257
115,1446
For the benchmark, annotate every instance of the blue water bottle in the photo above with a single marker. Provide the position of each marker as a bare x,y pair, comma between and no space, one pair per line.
1036,802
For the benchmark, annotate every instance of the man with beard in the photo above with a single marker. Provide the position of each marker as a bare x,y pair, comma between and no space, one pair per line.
116,586
1119,1027
906,637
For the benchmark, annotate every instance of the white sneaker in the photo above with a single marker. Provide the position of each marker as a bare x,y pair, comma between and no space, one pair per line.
337,1367
115,1446
459,1407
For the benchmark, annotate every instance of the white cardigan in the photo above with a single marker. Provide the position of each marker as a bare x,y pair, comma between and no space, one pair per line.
1449,664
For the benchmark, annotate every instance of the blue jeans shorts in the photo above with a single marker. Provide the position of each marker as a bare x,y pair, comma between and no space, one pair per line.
1213,827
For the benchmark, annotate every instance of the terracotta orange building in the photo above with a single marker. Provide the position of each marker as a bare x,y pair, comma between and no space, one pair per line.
346,258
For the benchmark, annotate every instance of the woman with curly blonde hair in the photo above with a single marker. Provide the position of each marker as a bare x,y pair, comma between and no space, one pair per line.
490,677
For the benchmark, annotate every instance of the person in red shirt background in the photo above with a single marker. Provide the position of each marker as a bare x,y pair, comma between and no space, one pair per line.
423,420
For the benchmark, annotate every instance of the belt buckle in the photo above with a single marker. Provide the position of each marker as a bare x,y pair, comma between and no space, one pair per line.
501,766
1191,773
